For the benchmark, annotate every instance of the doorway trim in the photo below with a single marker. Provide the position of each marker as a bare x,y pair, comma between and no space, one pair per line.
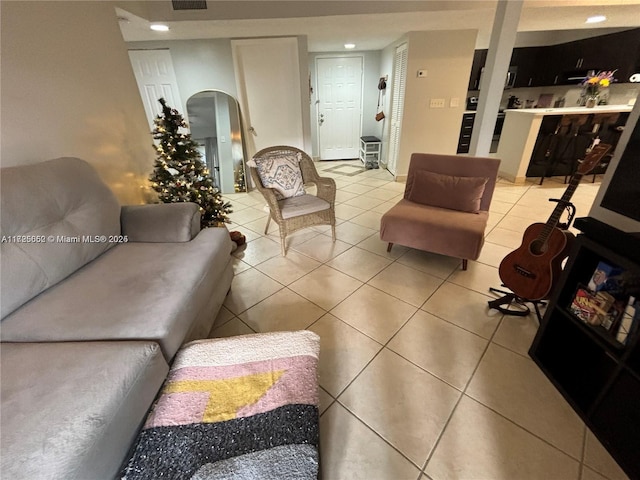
400,64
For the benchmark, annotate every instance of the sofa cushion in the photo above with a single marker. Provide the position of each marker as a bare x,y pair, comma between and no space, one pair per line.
447,191
282,173
149,291
72,410
46,210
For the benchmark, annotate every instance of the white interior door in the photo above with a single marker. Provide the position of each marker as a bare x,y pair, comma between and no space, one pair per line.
397,105
269,91
340,106
156,79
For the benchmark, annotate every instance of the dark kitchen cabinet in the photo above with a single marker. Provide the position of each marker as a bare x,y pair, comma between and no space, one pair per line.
527,60
588,54
616,51
596,370
479,59
559,59
555,64
581,56
623,53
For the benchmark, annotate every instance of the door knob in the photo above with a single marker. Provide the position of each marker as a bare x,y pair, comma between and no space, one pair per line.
321,121
253,130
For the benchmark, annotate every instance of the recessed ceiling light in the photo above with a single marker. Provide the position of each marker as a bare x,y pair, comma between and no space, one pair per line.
596,19
349,45
159,27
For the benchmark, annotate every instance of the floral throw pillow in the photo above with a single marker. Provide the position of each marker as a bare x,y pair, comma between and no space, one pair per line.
282,173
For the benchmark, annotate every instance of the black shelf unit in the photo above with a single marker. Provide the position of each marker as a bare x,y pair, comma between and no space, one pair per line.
464,141
597,373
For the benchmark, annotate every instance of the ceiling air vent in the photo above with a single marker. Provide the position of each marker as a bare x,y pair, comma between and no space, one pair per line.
189,4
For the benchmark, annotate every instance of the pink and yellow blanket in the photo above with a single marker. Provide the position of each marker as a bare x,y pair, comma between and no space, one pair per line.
239,407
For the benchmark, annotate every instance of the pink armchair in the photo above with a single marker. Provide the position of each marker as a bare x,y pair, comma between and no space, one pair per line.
445,207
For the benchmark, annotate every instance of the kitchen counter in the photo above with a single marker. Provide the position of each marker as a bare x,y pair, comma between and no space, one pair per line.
520,131
572,110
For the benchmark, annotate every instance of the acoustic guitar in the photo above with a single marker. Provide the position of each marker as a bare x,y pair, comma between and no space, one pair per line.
531,270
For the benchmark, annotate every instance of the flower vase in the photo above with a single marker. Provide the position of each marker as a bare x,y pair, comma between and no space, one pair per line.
592,101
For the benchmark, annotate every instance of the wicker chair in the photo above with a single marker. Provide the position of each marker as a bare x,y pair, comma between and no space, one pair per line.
295,213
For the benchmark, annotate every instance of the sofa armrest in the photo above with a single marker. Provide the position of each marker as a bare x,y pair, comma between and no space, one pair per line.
160,223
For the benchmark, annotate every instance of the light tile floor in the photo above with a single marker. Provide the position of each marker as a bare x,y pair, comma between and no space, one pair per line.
419,379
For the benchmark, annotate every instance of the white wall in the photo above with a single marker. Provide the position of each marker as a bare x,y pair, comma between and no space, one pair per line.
68,89
447,57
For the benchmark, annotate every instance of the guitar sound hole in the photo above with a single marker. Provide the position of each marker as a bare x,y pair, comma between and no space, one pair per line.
538,247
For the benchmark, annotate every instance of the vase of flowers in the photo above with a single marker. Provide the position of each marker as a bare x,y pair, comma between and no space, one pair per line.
591,101
594,85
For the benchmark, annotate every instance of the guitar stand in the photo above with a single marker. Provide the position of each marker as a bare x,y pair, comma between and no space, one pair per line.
515,305
571,212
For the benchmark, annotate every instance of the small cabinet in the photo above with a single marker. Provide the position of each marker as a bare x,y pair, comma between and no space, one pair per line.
597,367
370,151
464,141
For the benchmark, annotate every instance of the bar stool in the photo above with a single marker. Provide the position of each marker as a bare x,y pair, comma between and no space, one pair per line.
604,129
576,144
564,147
544,149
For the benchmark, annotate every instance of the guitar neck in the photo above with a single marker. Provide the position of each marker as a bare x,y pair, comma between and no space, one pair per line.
557,212
588,164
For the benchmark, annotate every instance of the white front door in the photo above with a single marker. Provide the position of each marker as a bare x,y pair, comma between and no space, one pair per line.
156,79
268,81
340,106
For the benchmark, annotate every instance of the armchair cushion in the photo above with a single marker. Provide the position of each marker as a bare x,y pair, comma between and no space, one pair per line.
302,205
282,173
164,222
434,229
447,191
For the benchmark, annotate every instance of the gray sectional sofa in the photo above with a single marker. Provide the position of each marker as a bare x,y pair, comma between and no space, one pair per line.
96,299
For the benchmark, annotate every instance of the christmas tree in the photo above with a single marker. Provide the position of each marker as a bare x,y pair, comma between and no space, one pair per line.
179,174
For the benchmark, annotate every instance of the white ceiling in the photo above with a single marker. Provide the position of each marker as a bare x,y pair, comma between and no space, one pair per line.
372,25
